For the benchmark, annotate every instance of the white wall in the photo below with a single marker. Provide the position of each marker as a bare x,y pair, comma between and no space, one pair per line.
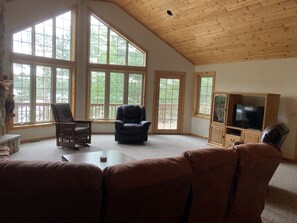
23,13
270,76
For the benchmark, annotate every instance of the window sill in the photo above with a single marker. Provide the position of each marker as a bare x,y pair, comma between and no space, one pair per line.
27,126
104,121
201,116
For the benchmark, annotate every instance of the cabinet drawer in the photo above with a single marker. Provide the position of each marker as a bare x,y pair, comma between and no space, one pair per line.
230,139
250,137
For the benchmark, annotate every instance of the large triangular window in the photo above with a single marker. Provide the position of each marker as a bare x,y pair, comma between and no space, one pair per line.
107,46
51,38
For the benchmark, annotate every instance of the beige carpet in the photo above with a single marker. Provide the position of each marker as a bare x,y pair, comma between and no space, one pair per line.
281,203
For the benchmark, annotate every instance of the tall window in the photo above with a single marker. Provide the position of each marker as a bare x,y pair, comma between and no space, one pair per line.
203,88
45,76
117,68
122,88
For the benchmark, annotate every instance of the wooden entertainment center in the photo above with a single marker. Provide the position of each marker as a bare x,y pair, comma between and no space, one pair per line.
224,129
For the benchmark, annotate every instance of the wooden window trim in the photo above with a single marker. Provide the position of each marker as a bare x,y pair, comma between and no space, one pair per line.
196,92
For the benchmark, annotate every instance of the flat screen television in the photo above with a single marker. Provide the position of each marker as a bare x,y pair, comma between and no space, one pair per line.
248,116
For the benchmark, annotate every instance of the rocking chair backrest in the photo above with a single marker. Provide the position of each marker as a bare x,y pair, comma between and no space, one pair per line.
62,112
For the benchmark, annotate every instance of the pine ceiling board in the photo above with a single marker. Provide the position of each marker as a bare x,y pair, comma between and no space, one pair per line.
275,11
218,31
239,4
268,2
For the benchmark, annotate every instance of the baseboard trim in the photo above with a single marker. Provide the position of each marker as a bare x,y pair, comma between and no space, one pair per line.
199,136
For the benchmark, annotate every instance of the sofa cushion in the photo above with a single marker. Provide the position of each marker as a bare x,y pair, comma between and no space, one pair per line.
146,191
213,171
37,191
256,165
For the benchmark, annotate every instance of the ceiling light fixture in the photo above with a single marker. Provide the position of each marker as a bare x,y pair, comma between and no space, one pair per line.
169,12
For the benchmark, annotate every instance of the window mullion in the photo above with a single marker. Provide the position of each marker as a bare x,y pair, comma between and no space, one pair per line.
33,40
54,38
33,96
126,87
127,53
108,46
54,84
107,95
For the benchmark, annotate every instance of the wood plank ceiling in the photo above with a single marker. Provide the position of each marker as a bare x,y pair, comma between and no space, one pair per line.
221,31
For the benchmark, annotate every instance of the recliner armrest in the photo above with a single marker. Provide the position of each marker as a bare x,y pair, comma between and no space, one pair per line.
118,124
145,124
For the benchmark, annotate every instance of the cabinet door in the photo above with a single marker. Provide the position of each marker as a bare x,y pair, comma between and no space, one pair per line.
250,137
217,135
219,108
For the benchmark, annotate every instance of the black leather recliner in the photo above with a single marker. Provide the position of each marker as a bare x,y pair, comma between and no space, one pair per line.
131,124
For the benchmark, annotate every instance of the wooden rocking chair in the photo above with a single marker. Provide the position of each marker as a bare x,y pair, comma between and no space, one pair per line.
70,132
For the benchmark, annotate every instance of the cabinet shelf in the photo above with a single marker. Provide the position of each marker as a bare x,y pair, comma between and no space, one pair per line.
245,129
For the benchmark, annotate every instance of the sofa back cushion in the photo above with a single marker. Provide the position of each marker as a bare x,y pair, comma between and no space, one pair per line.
36,191
213,171
146,191
256,165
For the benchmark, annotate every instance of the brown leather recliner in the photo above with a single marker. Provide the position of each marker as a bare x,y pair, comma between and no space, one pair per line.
213,171
275,134
256,165
131,124
146,191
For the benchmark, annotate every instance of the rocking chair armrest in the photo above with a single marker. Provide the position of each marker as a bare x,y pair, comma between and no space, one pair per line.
65,123
84,121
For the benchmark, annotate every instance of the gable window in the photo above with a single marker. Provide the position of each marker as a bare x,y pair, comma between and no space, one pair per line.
203,88
42,66
117,68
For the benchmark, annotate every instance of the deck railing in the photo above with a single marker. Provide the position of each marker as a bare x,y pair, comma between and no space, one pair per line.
167,112
22,112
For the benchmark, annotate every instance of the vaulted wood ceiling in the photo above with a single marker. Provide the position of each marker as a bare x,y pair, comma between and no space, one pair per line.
220,31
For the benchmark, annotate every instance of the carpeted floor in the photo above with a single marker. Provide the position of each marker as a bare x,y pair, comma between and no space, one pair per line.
156,147
281,202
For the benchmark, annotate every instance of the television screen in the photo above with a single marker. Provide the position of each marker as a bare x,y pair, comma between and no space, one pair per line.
248,116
